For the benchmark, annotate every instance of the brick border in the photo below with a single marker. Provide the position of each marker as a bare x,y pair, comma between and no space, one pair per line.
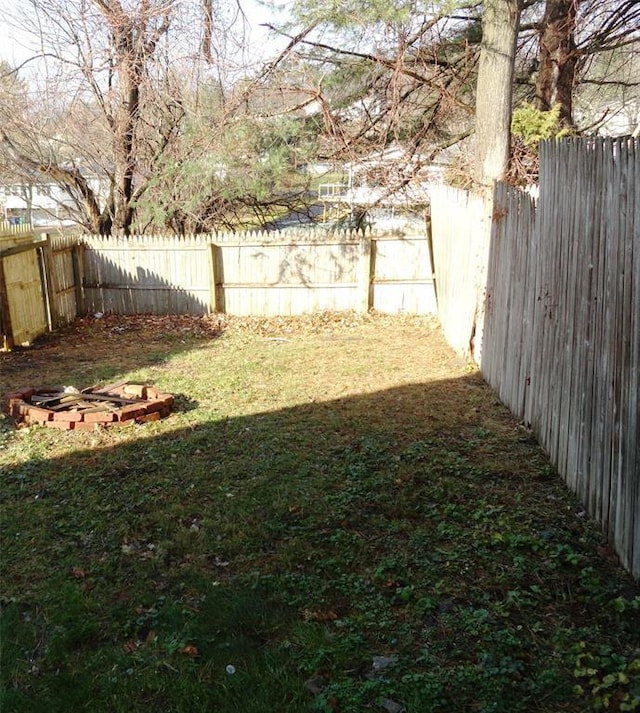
153,405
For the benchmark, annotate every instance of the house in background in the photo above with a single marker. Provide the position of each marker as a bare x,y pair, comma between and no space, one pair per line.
40,203
391,186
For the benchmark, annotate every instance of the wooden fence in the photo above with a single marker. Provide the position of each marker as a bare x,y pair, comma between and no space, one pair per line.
39,284
285,273
47,281
9,231
23,313
460,224
63,274
561,342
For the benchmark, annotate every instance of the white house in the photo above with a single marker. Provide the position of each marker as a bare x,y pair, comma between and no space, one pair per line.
391,184
42,203
37,204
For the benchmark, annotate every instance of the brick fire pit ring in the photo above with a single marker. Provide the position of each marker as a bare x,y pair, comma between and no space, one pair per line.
69,409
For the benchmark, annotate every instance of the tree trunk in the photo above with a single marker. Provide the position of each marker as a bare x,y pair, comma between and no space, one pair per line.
500,24
125,153
129,44
557,58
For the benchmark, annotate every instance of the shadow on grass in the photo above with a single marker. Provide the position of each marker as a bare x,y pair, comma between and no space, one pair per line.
407,548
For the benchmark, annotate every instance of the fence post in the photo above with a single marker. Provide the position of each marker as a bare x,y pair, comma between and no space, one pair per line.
78,276
216,278
5,314
50,288
365,252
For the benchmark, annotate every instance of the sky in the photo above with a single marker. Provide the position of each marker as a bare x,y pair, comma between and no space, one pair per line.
14,44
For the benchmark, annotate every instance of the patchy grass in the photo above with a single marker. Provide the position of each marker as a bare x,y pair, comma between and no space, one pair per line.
339,516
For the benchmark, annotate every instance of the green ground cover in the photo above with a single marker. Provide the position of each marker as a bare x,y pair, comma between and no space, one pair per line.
338,516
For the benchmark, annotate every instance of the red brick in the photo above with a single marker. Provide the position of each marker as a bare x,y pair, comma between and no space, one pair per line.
155,416
85,425
99,417
153,406
11,406
35,413
68,416
27,421
125,424
129,412
64,425
19,408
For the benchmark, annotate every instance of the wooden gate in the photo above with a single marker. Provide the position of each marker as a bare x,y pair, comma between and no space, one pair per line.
23,311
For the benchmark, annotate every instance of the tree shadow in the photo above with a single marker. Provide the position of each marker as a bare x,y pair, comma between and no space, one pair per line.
298,544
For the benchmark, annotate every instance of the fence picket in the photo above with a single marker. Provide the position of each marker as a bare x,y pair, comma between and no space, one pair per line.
562,319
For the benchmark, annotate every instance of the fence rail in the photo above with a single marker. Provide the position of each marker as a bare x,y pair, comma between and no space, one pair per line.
561,342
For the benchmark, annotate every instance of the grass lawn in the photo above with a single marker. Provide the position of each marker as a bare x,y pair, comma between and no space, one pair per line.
337,516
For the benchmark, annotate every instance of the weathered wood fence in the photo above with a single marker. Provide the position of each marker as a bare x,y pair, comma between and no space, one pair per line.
561,341
286,273
460,222
22,306
40,284
48,281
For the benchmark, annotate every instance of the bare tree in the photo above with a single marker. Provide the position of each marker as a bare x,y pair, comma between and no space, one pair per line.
116,73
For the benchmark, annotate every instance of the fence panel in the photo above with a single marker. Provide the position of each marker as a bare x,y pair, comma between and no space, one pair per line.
507,342
582,295
22,303
562,317
147,275
285,277
258,274
63,278
459,221
402,276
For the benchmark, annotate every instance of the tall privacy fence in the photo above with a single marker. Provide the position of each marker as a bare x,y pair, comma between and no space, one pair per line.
547,298
50,281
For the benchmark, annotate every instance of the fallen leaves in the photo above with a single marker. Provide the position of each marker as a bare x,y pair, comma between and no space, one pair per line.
131,646
321,616
189,650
